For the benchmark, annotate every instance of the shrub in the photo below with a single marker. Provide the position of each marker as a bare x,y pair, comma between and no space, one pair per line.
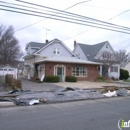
124,74
100,77
8,78
37,80
51,78
70,79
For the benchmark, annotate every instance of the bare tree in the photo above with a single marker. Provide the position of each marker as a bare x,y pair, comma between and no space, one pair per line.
122,56
9,47
107,59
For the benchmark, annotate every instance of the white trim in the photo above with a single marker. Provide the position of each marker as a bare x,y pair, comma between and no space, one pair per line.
63,71
51,43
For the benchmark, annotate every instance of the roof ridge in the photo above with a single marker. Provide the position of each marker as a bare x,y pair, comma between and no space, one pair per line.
93,44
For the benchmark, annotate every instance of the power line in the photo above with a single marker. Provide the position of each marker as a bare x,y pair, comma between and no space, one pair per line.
107,20
65,20
69,13
66,17
78,3
38,9
98,6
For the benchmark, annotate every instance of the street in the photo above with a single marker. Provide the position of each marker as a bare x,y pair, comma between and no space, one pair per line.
99,114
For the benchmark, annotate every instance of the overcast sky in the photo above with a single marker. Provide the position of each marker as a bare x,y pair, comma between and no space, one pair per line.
68,32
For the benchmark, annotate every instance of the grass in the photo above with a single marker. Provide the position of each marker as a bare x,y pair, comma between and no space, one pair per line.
126,80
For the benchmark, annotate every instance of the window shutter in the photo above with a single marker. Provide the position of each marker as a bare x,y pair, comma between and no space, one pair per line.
111,69
103,55
117,69
110,56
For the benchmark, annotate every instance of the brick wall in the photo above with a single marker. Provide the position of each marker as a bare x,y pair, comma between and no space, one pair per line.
92,71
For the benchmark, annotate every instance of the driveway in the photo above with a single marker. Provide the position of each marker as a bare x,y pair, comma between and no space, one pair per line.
29,85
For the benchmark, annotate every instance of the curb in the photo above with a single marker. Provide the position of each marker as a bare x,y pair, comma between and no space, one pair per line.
11,104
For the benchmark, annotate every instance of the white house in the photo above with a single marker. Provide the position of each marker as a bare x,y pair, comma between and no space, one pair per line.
8,69
55,58
100,52
126,66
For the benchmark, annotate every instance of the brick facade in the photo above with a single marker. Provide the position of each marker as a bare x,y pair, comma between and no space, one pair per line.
92,71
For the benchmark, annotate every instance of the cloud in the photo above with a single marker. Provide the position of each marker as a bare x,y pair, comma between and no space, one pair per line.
98,9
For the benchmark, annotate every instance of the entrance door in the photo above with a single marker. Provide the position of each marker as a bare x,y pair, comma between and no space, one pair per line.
59,73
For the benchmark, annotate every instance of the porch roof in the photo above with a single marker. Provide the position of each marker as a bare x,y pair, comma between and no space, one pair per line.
68,60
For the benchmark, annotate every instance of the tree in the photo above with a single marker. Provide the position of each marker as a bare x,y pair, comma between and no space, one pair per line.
107,59
122,56
9,47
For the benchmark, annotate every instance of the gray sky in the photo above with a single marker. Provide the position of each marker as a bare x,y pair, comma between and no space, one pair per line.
68,32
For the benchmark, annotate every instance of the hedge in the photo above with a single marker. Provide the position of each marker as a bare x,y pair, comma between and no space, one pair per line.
70,79
52,79
14,83
124,74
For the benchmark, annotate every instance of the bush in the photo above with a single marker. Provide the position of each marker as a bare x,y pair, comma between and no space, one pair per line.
8,78
70,79
100,77
52,79
124,74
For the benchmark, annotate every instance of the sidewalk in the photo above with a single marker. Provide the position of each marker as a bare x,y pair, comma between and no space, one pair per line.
89,85
29,85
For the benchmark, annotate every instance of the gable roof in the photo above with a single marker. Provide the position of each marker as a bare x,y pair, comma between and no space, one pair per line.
91,50
1,66
51,42
123,64
35,45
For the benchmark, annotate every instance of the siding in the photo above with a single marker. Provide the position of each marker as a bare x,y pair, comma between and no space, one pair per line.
78,51
48,51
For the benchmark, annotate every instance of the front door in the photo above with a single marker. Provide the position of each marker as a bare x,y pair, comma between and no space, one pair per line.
59,73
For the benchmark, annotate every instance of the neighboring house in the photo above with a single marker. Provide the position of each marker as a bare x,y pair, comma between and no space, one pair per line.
8,69
55,58
20,67
126,66
98,53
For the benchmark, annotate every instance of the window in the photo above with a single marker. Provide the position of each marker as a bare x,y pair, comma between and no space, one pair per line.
56,51
113,69
1,69
106,55
79,71
11,69
5,69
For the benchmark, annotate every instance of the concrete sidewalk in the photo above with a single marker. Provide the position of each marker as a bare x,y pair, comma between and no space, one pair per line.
29,85
89,85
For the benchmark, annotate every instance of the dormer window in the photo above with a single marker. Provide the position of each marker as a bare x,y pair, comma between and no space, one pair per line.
56,51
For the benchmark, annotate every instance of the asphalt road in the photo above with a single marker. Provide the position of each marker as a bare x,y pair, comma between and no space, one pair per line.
100,114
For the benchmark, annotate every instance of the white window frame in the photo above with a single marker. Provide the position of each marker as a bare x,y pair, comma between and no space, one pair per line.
79,71
114,68
56,51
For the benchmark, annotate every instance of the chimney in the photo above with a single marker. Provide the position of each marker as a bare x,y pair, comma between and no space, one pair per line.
46,41
74,43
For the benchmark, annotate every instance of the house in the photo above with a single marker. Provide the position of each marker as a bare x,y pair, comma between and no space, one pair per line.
101,52
55,58
8,69
126,66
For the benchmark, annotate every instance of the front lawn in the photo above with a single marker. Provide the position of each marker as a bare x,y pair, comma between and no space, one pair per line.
128,80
